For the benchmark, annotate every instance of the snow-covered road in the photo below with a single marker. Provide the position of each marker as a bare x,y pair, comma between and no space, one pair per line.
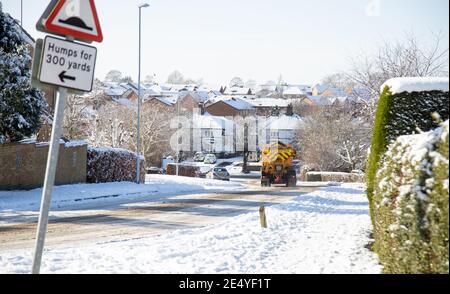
325,231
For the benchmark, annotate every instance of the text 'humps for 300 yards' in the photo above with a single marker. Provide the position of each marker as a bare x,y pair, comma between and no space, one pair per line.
68,64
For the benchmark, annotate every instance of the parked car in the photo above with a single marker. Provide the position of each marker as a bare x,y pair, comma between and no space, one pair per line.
202,172
224,164
210,159
166,161
199,157
218,173
154,171
235,168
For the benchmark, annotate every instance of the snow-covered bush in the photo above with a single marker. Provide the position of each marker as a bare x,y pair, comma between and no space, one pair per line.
112,165
21,106
406,107
335,177
411,204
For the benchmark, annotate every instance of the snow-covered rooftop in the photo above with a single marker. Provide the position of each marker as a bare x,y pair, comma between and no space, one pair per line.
320,100
238,103
284,122
116,91
293,91
418,84
270,102
207,121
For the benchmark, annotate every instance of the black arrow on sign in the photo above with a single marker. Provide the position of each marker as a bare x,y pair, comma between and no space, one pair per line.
62,76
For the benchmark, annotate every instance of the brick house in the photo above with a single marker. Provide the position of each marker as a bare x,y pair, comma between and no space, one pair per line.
230,107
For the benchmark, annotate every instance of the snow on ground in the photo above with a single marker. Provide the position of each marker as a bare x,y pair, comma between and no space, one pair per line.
421,84
322,232
69,195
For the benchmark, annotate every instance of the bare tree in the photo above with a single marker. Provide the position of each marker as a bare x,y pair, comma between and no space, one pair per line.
404,58
112,126
150,79
155,134
127,79
76,119
236,82
337,80
114,76
175,77
331,139
251,84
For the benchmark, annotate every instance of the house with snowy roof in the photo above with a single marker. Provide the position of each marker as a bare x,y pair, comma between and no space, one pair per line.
320,100
229,106
161,103
211,135
265,106
283,128
293,92
318,89
238,91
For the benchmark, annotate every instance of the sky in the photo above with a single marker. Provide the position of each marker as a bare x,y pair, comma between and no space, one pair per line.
301,40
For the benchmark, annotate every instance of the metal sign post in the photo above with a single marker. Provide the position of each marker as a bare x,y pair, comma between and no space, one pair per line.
50,174
69,66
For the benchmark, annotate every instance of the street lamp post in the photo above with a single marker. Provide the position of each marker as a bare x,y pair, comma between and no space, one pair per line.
138,160
21,13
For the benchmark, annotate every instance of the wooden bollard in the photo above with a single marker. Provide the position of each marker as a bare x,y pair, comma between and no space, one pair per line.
262,217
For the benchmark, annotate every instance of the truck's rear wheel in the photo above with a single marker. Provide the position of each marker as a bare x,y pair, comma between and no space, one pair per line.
291,179
292,183
265,182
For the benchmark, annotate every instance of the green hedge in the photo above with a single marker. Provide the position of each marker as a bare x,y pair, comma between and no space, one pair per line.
411,204
402,114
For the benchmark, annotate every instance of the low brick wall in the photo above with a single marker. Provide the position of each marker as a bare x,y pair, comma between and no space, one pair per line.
335,177
22,165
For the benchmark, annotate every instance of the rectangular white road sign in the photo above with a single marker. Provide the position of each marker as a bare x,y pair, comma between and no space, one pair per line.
68,64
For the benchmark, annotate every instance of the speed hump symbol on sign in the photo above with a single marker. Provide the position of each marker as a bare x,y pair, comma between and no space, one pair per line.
75,18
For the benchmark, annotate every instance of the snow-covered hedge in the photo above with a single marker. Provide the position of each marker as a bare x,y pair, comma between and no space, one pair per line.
411,204
406,107
112,165
335,177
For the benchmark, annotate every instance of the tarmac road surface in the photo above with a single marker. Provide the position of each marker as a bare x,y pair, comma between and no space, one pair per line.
118,222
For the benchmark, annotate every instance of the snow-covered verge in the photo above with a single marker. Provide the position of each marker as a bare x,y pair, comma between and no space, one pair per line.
322,232
70,195
411,204
422,84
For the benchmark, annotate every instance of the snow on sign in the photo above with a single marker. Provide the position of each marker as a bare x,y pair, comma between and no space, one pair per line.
76,18
67,64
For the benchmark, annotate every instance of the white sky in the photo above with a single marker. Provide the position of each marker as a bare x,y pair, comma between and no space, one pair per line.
303,40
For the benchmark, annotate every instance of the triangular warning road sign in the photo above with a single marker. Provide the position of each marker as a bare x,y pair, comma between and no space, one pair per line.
75,18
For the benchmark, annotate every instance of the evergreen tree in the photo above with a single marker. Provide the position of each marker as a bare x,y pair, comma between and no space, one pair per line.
290,110
276,111
21,106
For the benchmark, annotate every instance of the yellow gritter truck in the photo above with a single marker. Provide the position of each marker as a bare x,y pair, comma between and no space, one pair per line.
277,165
